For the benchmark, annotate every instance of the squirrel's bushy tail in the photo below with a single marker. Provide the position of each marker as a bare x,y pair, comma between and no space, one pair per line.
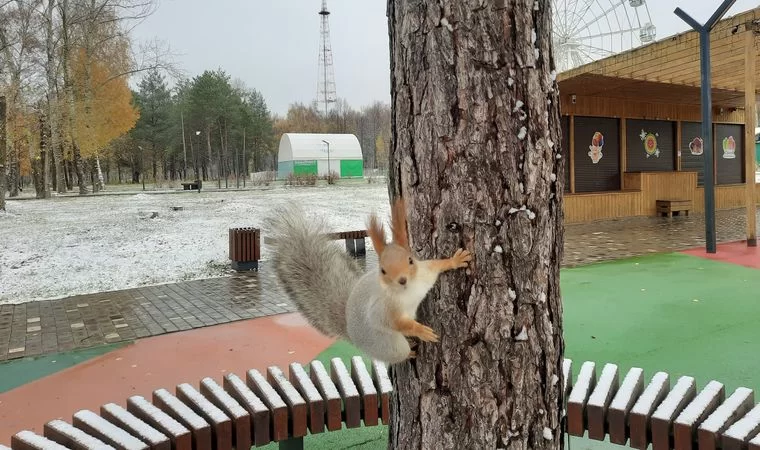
314,270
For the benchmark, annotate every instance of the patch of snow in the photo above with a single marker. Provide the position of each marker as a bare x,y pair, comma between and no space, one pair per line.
362,376
80,437
717,420
748,424
231,406
624,394
645,403
668,407
583,384
306,387
39,441
548,434
164,421
511,293
144,430
446,24
554,380
523,132
604,385
523,336
79,245
697,406
188,416
498,249
114,433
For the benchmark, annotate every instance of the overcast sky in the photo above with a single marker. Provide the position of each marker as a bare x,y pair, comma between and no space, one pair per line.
273,45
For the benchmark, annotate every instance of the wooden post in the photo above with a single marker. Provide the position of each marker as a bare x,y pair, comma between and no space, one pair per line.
571,126
749,133
623,151
677,145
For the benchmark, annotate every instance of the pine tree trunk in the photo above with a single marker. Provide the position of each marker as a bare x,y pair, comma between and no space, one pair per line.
3,153
475,153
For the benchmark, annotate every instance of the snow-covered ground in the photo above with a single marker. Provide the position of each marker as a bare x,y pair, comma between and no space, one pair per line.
67,246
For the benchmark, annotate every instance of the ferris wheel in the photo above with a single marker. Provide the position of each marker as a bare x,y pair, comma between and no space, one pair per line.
587,30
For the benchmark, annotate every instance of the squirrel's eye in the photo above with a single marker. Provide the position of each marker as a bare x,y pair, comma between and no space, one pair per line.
411,261
382,271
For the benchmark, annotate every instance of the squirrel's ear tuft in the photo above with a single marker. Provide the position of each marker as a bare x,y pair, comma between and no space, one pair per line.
398,224
376,233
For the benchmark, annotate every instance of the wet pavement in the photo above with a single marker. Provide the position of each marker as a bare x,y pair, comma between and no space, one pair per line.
52,326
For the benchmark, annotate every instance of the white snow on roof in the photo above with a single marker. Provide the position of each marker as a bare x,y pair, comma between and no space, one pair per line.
309,146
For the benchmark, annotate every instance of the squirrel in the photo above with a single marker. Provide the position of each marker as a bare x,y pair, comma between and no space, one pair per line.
375,311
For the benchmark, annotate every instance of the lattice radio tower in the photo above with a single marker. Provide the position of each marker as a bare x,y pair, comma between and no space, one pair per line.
326,78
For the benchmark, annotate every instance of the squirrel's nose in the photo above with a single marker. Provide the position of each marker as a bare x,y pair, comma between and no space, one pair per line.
402,281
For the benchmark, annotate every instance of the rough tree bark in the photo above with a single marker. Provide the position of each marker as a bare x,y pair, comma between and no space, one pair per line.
476,154
3,153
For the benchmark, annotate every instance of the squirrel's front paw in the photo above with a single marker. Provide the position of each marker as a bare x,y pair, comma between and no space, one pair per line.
461,258
427,334
412,354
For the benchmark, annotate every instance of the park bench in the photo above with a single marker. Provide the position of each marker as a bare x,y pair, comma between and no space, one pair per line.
192,185
669,207
354,241
239,413
283,409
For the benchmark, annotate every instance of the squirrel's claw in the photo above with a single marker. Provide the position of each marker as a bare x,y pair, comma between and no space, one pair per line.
427,334
461,258
412,354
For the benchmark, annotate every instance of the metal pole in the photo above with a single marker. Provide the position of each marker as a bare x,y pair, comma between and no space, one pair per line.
707,134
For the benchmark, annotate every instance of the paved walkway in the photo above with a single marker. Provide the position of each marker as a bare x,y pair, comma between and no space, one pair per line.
83,321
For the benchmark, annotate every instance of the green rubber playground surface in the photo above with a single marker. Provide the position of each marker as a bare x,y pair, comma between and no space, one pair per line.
17,373
675,313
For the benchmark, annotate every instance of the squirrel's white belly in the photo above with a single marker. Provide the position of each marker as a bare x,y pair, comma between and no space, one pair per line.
412,296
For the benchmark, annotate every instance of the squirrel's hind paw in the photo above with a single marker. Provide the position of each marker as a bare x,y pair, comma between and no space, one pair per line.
412,354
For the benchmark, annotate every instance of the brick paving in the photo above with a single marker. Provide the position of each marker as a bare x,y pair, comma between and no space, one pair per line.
51,326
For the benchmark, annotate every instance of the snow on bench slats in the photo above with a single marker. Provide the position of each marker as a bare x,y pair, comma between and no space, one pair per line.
221,425
621,405
329,392
699,408
221,399
180,411
279,411
27,439
296,403
202,406
124,419
256,408
316,404
70,436
384,387
746,427
349,392
735,406
662,419
605,387
754,443
576,403
104,430
626,395
676,400
598,402
652,395
567,375
241,420
642,410
171,405
149,413
363,381
2,447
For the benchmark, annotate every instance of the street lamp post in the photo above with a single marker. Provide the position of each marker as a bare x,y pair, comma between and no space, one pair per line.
328,160
199,177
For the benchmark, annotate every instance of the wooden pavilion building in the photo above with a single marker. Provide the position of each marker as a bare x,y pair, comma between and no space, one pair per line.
632,124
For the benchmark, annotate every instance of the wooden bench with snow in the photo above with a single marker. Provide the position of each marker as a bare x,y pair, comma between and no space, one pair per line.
634,413
283,409
669,207
237,414
355,243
